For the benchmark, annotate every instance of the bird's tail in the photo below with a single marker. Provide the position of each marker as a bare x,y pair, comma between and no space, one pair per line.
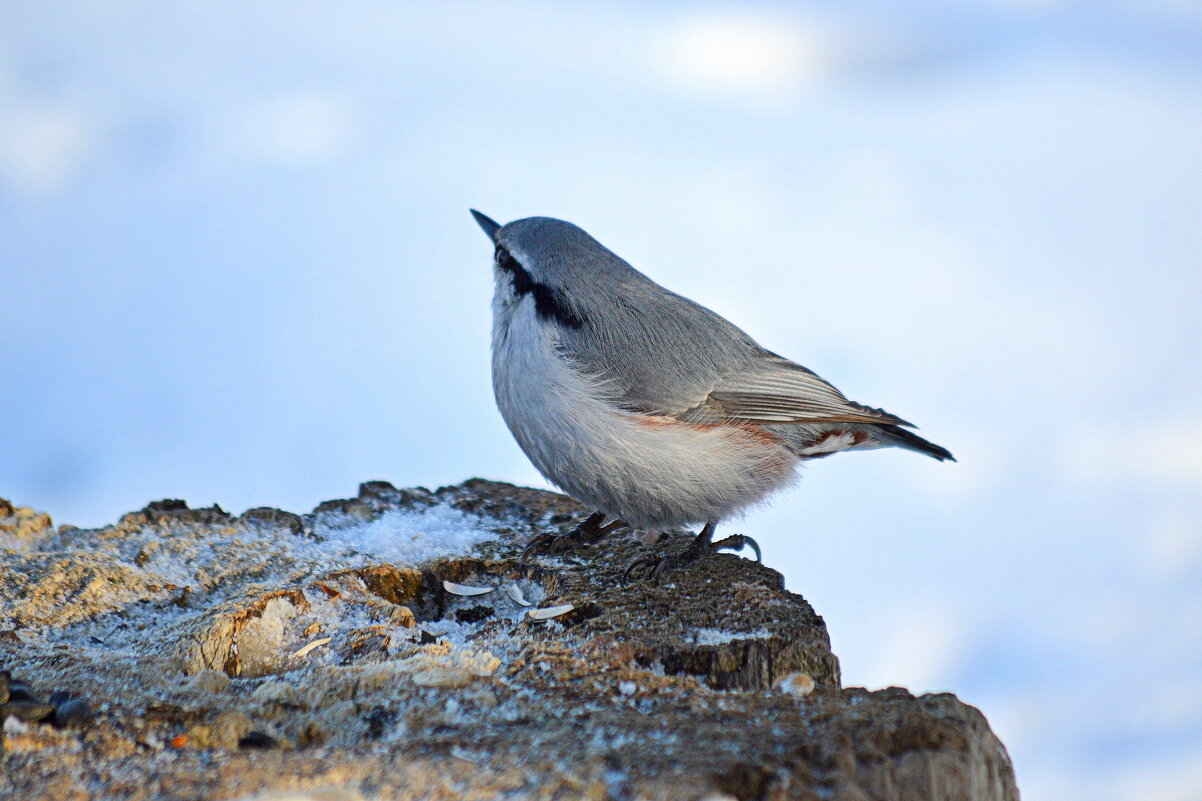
895,435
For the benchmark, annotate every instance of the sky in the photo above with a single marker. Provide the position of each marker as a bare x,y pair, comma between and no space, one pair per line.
238,267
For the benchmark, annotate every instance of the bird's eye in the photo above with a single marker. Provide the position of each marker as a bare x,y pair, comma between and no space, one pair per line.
505,260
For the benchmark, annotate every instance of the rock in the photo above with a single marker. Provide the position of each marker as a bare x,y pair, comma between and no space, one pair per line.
245,636
225,731
22,522
275,692
274,518
27,711
211,681
394,584
165,513
797,684
72,712
59,588
316,662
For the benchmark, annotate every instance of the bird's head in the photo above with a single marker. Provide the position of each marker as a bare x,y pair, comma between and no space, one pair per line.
556,261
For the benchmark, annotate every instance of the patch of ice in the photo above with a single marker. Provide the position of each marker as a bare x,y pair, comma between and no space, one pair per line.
406,537
720,637
262,639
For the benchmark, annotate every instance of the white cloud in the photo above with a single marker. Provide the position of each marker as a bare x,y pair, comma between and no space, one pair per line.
42,149
743,54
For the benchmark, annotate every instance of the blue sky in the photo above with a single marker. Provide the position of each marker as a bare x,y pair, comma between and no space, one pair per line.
238,268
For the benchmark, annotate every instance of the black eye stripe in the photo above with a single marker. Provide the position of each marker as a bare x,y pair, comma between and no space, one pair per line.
547,302
523,284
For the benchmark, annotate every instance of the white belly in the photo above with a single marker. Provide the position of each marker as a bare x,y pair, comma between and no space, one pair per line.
651,472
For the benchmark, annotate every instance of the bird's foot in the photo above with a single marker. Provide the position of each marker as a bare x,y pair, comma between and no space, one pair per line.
655,565
588,532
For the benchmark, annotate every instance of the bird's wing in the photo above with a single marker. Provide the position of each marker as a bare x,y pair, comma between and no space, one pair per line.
777,390
655,352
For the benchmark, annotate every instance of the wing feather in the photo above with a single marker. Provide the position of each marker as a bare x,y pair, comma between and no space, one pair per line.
780,391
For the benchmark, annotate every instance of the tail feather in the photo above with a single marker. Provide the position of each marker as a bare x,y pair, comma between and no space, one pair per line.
894,435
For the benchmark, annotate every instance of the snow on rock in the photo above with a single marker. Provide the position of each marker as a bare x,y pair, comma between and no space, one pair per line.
405,537
719,637
238,656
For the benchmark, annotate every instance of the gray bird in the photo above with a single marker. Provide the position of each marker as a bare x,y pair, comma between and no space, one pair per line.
645,406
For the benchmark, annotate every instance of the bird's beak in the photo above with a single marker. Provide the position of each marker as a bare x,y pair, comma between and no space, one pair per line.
489,225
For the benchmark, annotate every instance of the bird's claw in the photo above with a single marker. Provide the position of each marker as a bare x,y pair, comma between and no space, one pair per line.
656,565
535,545
552,544
586,533
736,542
652,562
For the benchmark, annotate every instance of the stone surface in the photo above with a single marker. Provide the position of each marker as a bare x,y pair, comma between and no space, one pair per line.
272,653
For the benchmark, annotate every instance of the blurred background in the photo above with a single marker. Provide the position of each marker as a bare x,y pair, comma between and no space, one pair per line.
238,267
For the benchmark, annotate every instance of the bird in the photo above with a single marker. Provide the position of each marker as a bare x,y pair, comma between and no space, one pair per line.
650,409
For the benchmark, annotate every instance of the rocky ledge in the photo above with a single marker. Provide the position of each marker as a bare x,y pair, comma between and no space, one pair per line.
191,654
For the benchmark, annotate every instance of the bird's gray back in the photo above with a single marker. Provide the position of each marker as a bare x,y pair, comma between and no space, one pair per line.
658,351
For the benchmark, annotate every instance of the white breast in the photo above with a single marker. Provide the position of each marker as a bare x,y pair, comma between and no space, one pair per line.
652,472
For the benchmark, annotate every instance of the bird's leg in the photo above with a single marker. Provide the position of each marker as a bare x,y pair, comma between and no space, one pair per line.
703,545
588,531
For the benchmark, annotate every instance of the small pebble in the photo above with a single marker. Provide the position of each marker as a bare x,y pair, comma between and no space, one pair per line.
485,699
19,691
27,711
275,692
211,681
796,684
224,732
73,712
473,614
